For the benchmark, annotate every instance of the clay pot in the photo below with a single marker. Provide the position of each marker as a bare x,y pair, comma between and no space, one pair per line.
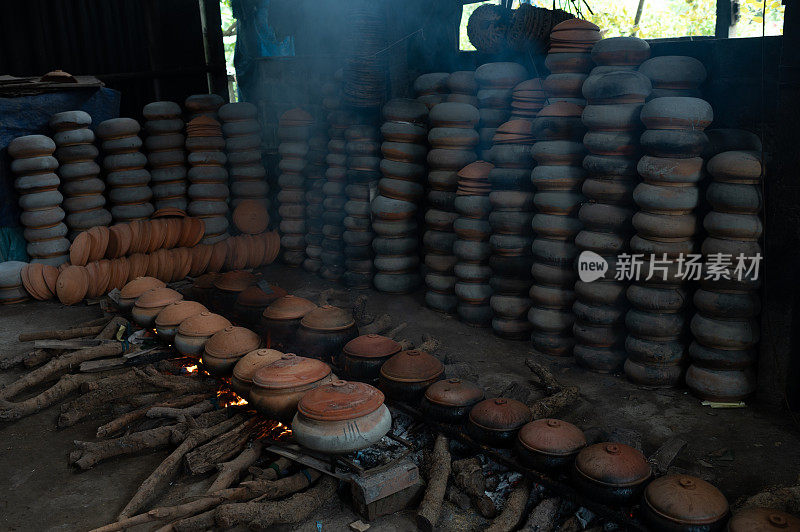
674,72
762,520
549,443
362,357
278,387
280,321
135,288
170,317
194,331
407,374
324,331
252,301
72,284
251,217
150,303
495,422
245,368
682,503
341,417
228,286
224,349
613,473
450,400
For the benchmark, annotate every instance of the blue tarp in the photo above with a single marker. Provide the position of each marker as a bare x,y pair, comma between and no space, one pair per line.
29,115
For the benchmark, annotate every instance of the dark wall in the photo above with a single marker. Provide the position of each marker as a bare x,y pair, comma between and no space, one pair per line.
146,49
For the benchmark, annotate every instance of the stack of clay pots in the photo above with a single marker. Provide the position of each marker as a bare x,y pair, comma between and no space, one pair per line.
39,198
615,94
453,140
166,155
431,89
496,82
203,105
80,185
462,88
208,192
527,99
333,258
471,248
569,60
248,179
126,176
315,182
512,212
674,75
725,328
665,226
12,289
294,130
400,189
364,73
557,179
363,171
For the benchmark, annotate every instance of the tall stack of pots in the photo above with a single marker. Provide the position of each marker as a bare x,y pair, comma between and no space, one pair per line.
527,99
472,248
615,98
431,89
725,328
512,213
665,226
394,211
315,182
674,75
462,88
208,192
363,172
203,105
82,188
126,176
333,257
569,60
166,156
496,82
294,130
557,180
39,198
453,140
248,178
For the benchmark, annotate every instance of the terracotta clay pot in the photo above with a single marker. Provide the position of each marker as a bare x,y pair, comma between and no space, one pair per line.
224,348
194,331
280,321
324,332
406,375
150,303
362,357
613,473
170,318
450,400
682,503
495,422
549,443
245,368
279,386
762,520
133,289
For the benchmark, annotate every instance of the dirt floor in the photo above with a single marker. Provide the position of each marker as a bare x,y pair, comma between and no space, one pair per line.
739,450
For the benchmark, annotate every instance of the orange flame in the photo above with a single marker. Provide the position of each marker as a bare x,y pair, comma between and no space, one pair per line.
275,431
190,369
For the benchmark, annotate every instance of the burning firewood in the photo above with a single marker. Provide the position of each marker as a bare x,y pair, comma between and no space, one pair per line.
513,510
468,475
559,397
543,517
124,420
229,472
438,473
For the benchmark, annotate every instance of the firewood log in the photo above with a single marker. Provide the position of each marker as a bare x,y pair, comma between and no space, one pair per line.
178,413
61,334
513,510
229,472
468,475
223,447
431,506
65,386
543,517
126,419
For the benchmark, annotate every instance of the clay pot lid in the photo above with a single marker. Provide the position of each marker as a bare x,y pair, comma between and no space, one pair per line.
454,392
412,366
515,127
575,24
203,324
533,85
232,342
340,400
206,281
72,285
254,296
175,313
613,464
168,212
500,414
290,371
763,520
371,346
99,236
289,308
562,109
477,171
552,437
139,286
50,274
687,500
328,318
251,217
33,281
246,367
235,281
80,249
158,297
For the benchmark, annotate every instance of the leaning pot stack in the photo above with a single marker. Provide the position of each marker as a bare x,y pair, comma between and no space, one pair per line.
166,155
665,227
512,235
496,82
203,105
363,172
557,180
674,75
208,192
394,211
472,248
126,176
248,178
334,189
453,140
725,328
39,198
431,89
294,130
82,188
612,118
